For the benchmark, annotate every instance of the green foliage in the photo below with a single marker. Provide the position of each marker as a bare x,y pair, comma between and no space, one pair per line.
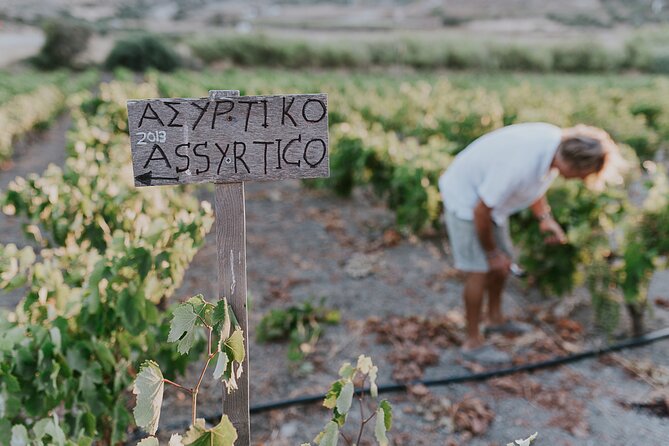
580,20
643,54
300,324
66,38
46,431
524,442
223,434
585,58
584,215
148,387
108,255
397,135
217,320
647,239
340,398
143,51
35,106
132,9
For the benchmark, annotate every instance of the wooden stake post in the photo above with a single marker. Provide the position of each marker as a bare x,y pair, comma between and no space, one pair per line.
228,139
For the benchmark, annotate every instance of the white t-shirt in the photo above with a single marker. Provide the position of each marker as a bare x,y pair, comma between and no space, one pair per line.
508,169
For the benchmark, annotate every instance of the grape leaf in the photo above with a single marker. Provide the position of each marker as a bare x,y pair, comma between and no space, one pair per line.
182,327
364,364
149,390
19,435
176,440
347,371
224,434
49,426
329,436
380,428
234,346
373,388
387,414
345,398
201,307
5,431
221,316
525,442
222,362
230,350
330,400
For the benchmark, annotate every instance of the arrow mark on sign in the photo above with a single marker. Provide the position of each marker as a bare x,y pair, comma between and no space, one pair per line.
147,178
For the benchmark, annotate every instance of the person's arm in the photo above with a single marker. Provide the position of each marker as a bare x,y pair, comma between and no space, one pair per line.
497,259
542,211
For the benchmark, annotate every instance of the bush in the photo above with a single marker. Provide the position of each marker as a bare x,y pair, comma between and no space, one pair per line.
659,62
585,58
580,20
140,52
65,40
521,58
421,54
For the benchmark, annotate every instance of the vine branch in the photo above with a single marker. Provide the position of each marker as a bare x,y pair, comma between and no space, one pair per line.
178,386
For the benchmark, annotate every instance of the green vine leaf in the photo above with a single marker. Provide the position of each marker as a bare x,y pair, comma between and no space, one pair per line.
345,398
224,434
380,428
222,361
331,397
230,350
364,364
148,387
373,387
202,308
347,371
148,441
387,414
176,440
221,316
525,442
182,327
329,436
231,376
50,427
234,346
19,435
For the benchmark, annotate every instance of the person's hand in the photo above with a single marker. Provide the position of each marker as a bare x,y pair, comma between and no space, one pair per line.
556,233
498,261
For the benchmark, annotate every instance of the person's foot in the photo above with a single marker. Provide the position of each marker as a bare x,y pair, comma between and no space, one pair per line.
486,355
473,342
508,328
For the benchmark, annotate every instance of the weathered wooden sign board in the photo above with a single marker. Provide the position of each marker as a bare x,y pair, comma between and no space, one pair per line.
228,139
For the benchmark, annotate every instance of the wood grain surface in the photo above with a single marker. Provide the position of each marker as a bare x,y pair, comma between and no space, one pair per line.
230,224
228,139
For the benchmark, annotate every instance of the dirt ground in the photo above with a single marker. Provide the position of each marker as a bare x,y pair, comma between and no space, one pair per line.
302,245
399,300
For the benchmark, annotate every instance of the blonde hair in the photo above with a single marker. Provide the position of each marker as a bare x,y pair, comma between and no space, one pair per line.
589,148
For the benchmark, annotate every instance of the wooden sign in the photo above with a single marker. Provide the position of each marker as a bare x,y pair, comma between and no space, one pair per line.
228,139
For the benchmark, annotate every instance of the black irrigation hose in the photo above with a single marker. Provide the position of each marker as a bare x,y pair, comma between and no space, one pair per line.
628,343
649,338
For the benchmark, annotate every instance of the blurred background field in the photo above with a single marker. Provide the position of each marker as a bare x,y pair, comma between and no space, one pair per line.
90,264
594,35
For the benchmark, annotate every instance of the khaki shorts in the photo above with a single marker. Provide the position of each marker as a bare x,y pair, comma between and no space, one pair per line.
466,247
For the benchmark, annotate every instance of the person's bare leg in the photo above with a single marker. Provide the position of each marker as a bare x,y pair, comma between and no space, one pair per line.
475,285
495,285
